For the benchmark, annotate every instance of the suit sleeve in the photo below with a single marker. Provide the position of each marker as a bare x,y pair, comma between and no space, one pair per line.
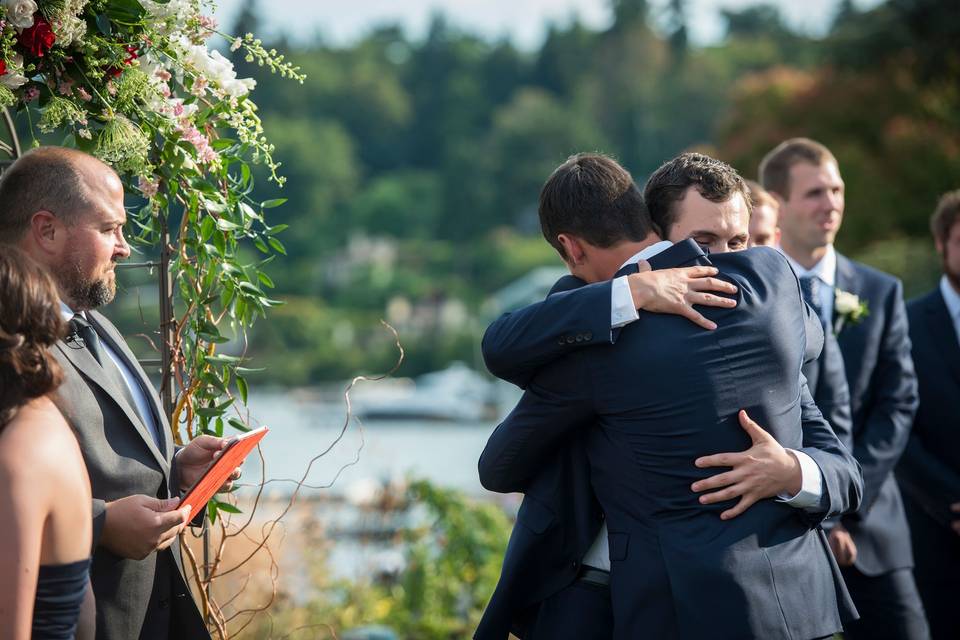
99,517
842,479
517,344
886,428
555,404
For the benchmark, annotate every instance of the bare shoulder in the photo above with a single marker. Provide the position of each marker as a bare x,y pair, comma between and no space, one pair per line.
38,441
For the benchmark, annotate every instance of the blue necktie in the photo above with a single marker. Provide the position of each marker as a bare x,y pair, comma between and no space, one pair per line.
810,288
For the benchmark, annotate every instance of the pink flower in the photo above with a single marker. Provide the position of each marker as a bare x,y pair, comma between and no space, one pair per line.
86,97
209,23
200,142
65,88
163,74
148,187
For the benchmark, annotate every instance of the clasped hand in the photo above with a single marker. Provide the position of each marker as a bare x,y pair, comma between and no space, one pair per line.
765,470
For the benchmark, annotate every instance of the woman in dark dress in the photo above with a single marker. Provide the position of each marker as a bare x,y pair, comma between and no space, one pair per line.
46,525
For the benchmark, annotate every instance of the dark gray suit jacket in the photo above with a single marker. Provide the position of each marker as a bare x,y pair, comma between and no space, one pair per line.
883,399
135,598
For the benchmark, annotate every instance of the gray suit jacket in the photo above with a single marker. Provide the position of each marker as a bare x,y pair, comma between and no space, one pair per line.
145,598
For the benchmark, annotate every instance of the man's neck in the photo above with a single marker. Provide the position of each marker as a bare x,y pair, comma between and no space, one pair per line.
611,259
806,257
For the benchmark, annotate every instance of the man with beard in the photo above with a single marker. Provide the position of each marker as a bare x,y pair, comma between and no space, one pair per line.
865,308
65,209
929,471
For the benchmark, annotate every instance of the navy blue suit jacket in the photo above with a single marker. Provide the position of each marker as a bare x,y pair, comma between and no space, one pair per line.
559,517
883,398
677,569
929,471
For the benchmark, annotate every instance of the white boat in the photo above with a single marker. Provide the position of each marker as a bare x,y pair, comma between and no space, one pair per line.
455,394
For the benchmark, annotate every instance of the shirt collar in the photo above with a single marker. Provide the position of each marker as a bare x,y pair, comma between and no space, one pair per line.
951,297
648,252
66,312
825,269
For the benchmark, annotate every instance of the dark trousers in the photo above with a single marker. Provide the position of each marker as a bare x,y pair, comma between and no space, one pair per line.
889,606
936,553
581,611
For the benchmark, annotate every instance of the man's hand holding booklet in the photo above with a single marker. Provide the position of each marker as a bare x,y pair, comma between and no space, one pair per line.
221,469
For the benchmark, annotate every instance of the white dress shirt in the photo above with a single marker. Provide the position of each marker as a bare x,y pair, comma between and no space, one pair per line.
623,312
952,297
136,391
826,272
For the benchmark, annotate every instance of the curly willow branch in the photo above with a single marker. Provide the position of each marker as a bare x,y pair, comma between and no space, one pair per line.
211,607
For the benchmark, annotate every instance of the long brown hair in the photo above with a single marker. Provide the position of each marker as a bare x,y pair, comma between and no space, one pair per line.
30,323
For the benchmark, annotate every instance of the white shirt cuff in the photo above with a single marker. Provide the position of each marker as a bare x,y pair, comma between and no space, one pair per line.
811,483
622,311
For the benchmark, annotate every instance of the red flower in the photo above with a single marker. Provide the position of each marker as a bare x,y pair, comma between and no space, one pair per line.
38,39
131,54
3,68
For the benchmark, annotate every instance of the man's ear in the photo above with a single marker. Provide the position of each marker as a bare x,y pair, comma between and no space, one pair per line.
46,231
776,235
939,245
573,247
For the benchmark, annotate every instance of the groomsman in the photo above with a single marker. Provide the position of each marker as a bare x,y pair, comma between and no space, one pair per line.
865,308
929,471
825,375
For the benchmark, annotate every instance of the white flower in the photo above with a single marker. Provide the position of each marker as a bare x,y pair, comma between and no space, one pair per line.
216,69
14,78
20,12
846,302
69,29
849,308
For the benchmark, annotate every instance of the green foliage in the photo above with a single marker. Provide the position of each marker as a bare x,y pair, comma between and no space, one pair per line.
414,165
452,560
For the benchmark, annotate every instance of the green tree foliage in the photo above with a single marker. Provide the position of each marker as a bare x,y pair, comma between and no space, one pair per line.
438,146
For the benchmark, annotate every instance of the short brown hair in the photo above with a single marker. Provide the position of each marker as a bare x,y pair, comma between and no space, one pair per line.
945,216
592,196
30,323
760,196
775,167
713,179
43,179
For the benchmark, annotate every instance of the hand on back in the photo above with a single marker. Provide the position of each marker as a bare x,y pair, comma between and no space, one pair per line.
675,291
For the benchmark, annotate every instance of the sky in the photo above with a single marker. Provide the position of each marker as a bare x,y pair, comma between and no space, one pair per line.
523,21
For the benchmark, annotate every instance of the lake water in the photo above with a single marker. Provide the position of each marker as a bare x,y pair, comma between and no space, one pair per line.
301,428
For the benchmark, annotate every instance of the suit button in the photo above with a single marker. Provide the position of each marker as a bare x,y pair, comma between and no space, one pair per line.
562,341
575,564
588,336
579,337
164,603
570,339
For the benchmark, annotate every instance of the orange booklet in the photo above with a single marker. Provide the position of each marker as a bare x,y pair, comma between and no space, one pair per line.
231,458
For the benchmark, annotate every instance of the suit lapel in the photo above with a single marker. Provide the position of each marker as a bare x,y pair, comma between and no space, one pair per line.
91,369
942,333
846,280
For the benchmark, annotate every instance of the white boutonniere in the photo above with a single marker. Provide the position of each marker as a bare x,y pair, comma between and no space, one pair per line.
848,308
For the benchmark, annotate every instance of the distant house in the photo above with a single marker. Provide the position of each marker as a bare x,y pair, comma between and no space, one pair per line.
528,289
